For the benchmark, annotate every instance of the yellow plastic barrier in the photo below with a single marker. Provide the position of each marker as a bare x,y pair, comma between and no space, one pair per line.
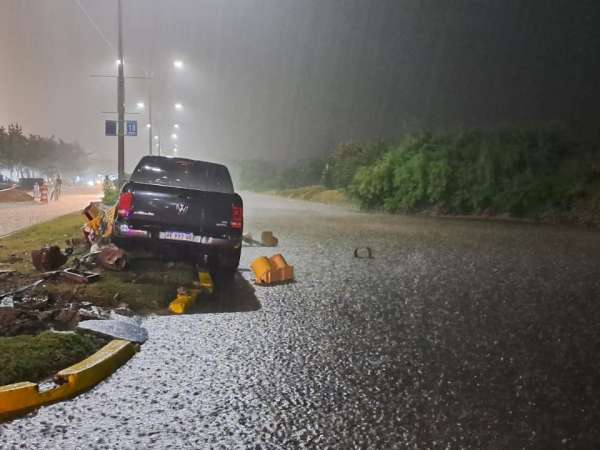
19,398
185,300
206,282
272,270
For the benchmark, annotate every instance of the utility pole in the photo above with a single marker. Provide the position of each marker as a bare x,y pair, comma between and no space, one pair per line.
150,116
121,103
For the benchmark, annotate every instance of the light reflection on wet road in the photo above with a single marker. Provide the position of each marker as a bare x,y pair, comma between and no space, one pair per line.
458,334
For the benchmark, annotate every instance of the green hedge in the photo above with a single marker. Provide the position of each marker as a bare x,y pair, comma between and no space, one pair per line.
502,171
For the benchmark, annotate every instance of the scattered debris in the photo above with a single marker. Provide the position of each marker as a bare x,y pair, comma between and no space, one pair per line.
32,286
100,222
272,270
48,258
7,302
79,276
112,257
363,252
117,329
7,272
248,239
33,314
268,239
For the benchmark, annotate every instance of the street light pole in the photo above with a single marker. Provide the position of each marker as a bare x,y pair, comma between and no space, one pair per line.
121,104
150,117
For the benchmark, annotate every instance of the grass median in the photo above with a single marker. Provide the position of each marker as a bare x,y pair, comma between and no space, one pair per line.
34,358
147,285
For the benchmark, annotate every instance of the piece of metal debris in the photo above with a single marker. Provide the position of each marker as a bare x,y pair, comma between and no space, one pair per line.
79,276
116,329
363,252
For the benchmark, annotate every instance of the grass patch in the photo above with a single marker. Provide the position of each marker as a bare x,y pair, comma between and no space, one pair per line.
16,248
317,193
147,285
33,358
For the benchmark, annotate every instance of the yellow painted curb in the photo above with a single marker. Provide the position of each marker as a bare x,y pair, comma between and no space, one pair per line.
18,398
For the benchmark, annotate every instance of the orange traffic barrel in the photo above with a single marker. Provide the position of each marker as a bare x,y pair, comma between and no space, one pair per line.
44,193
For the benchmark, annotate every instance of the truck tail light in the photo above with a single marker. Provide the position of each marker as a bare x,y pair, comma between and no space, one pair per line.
237,216
125,205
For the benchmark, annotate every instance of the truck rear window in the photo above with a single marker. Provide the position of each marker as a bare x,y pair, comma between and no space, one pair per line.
183,173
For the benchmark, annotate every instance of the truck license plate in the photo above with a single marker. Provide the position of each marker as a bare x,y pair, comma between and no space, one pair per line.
176,236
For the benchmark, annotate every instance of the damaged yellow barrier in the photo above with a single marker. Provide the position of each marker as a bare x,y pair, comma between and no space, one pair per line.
206,282
19,398
272,270
186,298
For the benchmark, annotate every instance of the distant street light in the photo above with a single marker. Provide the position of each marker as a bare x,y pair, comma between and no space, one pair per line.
178,64
174,136
156,138
148,125
140,105
118,62
178,106
176,126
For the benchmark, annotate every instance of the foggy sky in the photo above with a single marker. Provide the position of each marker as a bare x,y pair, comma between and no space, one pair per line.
290,78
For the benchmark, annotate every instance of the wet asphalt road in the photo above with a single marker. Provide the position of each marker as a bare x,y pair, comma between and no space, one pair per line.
458,334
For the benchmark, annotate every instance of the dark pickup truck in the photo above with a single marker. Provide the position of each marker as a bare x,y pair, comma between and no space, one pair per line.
182,207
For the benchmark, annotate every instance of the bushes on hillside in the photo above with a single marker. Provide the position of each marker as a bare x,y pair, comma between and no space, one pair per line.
260,175
347,158
514,171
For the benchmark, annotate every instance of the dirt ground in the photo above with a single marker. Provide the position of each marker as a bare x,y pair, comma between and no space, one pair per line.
14,195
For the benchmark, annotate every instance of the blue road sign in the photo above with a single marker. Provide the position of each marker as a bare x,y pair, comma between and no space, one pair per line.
110,127
132,128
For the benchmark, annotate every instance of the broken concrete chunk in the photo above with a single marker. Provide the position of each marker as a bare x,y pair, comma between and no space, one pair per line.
48,258
117,329
112,257
268,239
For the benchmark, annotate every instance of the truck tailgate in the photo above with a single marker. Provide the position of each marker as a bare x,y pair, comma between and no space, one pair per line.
175,209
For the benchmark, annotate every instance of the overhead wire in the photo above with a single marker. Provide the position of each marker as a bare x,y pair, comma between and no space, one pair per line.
95,25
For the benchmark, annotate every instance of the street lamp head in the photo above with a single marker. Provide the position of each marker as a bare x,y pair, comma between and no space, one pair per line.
156,138
140,105
178,106
176,126
148,125
118,62
178,64
174,136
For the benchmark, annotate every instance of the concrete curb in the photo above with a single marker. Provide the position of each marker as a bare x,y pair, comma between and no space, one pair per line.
20,398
